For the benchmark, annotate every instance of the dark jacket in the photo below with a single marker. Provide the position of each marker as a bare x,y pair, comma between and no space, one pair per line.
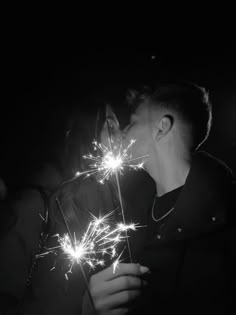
192,260
190,264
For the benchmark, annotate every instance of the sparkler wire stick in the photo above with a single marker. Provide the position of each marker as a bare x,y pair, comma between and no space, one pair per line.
119,191
73,245
87,287
123,215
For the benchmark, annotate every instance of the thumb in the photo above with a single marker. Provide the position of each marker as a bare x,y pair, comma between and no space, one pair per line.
111,116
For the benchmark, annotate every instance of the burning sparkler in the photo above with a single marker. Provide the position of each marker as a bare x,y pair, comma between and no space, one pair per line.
99,242
107,162
97,246
111,160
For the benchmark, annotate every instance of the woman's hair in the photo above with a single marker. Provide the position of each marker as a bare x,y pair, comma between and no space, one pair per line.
79,134
63,206
82,128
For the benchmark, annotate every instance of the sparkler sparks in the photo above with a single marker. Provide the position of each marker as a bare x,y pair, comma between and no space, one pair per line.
108,161
99,241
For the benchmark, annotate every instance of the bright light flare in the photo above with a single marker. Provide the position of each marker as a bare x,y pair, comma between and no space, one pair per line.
97,246
76,252
112,162
109,160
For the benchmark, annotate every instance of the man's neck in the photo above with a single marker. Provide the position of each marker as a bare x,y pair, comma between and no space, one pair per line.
169,173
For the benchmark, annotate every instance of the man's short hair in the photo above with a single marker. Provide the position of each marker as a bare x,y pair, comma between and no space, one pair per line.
189,101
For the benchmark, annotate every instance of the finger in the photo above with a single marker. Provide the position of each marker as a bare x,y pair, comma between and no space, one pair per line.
130,269
117,300
117,285
111,129
105,135
122,270
112,124
98,290
122,284
104,131
110,114
117,311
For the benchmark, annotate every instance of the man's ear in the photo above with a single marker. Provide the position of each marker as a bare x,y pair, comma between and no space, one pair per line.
164,126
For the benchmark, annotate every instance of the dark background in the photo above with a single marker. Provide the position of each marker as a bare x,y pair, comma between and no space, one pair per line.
45,81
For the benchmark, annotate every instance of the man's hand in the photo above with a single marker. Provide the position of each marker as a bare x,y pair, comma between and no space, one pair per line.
113,293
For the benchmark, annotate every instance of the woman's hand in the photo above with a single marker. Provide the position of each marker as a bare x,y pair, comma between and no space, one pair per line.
110,133
114,293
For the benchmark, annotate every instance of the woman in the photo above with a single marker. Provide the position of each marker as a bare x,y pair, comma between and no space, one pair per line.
31,285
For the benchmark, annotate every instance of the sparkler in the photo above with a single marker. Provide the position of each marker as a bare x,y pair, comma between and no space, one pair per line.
109,161
99,241
116,173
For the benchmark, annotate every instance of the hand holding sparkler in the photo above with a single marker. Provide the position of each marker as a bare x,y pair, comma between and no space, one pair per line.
113,292
99,241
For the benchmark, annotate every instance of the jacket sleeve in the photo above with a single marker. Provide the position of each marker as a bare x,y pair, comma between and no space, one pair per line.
17,247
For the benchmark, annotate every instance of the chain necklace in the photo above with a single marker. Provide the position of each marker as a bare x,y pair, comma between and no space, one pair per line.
165,215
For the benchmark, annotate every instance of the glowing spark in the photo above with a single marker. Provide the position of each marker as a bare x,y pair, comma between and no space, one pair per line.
42,217
99,242
109,161
125,227
116,262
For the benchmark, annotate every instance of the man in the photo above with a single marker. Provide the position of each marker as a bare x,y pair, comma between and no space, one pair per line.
184,247
177,258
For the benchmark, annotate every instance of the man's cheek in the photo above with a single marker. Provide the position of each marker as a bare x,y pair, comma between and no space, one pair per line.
137,149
